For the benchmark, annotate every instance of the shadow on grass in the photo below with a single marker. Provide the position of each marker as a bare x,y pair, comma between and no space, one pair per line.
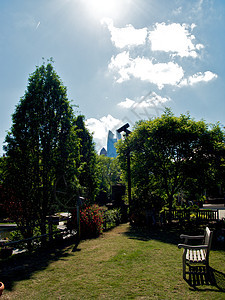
169,234
215,281
21,266
218,279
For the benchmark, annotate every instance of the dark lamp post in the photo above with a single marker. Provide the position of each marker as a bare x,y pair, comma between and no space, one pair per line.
127,132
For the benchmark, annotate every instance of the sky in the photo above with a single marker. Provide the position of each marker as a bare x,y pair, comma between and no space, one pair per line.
121,60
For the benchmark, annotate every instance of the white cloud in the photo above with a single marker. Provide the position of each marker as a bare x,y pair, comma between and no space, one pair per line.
128,103
199,46
127,36
151,100
198,77
144,69
121,64
121,60
175,38
101,127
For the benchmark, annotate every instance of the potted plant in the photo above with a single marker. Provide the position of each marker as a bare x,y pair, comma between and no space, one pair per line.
1,288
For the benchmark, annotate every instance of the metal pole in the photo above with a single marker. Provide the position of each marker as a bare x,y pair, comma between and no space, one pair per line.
127,132
129,182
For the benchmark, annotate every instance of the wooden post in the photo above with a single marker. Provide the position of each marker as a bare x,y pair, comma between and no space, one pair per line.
79,204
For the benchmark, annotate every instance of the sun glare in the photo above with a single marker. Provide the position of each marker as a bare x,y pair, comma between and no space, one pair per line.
104,8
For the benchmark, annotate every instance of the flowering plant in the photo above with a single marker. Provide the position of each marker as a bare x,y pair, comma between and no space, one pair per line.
91,221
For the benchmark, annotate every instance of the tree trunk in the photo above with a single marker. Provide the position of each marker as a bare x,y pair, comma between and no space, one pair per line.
170,200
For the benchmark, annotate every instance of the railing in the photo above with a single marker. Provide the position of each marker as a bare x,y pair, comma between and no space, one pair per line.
50,235
207,215
182,215
52,220
175,215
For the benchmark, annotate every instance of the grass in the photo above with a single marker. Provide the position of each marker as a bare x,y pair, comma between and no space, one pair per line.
121,264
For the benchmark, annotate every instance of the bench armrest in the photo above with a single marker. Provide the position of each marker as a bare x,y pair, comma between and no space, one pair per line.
191,237
198,247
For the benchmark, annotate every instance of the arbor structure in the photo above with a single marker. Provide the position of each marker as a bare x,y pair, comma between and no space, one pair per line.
169,154
41,147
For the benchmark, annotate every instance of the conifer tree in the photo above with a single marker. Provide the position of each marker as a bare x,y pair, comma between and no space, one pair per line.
41,147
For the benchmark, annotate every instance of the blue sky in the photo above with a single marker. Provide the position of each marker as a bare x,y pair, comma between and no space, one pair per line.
121,60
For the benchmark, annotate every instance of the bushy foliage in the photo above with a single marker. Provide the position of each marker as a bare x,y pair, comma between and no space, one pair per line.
169,154
112,217
109,173
87,166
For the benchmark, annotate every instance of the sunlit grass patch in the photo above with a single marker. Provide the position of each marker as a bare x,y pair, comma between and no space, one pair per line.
121,264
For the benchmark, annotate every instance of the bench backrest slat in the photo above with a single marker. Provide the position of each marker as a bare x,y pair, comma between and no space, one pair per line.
208,240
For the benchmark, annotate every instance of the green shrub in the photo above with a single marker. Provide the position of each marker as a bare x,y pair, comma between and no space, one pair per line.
112,218
17,236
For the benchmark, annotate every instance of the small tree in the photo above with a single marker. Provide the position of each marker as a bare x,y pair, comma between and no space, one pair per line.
169,152
41,147
109,173
87,166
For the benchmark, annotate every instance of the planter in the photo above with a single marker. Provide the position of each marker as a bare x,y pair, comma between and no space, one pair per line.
1,288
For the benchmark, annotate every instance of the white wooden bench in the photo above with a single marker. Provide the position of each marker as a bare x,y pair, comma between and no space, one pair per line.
196,255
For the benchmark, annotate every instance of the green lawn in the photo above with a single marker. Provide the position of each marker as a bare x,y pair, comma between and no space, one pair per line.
122,264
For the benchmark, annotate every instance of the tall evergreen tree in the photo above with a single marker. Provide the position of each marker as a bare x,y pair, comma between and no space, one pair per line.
42,147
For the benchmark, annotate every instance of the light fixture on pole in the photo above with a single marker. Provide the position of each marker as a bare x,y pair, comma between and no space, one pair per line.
127,132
